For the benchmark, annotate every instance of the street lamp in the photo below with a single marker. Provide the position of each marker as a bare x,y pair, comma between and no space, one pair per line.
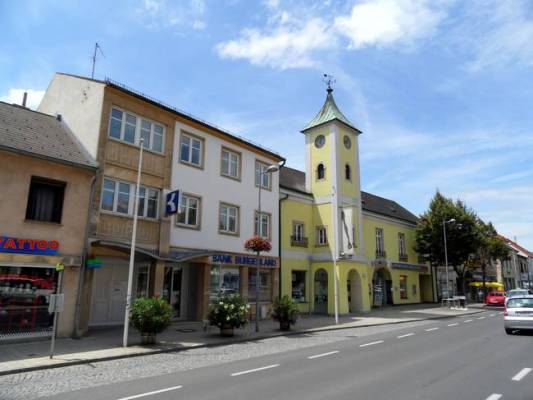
444,222
270,169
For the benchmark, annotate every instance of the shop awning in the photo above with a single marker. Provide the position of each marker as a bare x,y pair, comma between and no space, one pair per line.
494,285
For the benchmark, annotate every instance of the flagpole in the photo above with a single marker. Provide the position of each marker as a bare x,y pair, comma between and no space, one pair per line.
132,250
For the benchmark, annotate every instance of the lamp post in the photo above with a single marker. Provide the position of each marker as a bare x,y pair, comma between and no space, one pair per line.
444,222
270,169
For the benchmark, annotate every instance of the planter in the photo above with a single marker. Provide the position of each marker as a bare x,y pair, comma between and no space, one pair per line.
285,325
226,331
147,338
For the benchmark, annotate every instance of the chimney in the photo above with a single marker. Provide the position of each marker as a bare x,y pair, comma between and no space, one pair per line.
24,98
58,117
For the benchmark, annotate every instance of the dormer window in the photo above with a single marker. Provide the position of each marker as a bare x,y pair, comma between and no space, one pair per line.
347,172
320,172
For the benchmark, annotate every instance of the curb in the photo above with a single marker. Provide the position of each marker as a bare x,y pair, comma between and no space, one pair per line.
220,344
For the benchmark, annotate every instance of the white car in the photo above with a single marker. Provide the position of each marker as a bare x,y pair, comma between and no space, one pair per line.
518,313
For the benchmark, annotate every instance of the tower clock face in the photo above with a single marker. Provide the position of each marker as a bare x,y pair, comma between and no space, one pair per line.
347,142
319,141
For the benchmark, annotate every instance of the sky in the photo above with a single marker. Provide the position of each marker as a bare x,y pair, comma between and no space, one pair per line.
441,89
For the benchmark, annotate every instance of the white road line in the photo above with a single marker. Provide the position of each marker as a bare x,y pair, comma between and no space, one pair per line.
255,370
468,320
431,329
371,343
501,312
494,396
402,336
480,317
518,377
151,393
323,354
492,315
454,324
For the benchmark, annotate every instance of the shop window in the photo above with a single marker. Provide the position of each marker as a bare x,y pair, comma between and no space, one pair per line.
231,161
262,225
320,171
347,172
45,200
223,280
298,286
265,287
261,176
191,150
143,278
403,287
189,211
228,219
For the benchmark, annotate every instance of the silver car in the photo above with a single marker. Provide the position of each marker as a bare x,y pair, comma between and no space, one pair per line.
518,313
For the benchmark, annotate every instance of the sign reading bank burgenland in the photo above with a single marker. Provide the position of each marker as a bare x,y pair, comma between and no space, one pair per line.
243,260
9,244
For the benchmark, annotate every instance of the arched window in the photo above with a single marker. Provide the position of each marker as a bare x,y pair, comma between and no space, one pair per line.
320,171
347,172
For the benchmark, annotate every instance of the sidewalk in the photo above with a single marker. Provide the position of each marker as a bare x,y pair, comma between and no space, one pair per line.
105,344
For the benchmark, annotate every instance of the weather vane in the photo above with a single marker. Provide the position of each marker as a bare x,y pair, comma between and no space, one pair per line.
329,80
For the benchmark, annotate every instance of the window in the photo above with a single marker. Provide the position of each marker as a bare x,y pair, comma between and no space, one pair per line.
118,197
130,128
228,219
189,211
223,281
231,164
320,171
401,247
264,229
380,246
321,236
265,286
403,287
45,200
298,231
347,172
261,176
298,286
191,150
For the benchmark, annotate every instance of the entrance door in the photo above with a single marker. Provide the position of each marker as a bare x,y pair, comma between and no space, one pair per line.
172,289
110,286
321,292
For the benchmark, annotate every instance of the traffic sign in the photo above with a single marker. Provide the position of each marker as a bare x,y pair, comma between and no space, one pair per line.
56,303
172,202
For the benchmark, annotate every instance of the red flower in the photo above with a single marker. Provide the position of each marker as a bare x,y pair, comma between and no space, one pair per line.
257,243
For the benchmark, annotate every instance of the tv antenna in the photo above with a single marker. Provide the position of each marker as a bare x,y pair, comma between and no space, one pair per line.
97,47
329,80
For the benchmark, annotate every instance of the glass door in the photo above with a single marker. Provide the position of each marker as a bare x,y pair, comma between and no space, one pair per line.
172,289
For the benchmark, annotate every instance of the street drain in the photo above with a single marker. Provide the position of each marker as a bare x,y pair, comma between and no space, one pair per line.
185,330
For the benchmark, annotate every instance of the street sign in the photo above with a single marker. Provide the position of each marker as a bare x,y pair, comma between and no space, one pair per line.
94,263
172,202
60,267
56,303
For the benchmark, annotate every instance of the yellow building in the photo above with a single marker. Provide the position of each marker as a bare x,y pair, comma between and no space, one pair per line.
326,219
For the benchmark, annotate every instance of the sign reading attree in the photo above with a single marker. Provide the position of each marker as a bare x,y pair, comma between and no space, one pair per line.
10,244
243,260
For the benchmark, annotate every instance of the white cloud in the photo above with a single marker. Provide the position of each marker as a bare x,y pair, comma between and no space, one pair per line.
389,22
164,14
15,96
289,45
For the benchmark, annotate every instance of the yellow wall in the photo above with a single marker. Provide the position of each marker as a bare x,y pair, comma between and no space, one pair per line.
348,156
294,210
322,155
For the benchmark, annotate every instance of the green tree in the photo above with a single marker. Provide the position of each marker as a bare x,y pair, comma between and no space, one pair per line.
462,235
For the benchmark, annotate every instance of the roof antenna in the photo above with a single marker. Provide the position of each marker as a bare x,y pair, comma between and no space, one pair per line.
329,80
99,48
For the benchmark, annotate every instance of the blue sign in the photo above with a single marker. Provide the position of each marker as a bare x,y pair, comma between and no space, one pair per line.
10,244
172,202
243,260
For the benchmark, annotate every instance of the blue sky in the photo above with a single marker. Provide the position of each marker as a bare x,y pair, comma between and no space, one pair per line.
442,89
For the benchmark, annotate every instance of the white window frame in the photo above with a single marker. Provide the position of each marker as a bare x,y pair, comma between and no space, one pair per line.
298,230
185,202
380,241
321,236
228,206
192,138
227,173
146,198
268,224
138,126
401,244
131,195
260,175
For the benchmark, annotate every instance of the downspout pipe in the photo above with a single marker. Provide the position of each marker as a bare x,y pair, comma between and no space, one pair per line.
85,254
281,165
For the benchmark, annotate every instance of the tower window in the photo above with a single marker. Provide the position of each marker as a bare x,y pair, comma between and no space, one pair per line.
347,172
320,171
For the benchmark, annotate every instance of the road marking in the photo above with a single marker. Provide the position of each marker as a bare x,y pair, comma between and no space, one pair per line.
371,343
255,370
402,336
494,396
518,377
151,393
454,324
480,317
501,312
468,320
492,315
323,354
431,329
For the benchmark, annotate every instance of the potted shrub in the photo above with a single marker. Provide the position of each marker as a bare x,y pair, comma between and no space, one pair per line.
150,316
285,311
230,312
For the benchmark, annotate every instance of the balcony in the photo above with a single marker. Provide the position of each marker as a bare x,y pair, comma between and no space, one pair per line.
403,257
299,241
381,254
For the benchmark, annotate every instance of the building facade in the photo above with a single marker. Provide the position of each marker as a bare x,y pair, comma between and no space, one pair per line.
326,219
516,270
46,183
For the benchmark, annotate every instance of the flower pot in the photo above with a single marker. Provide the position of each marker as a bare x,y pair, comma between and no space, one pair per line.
147,338
226,331
285,325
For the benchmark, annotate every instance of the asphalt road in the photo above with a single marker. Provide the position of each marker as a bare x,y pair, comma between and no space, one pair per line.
460,358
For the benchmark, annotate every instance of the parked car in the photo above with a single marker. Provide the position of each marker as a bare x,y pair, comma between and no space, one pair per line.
518,314
495,299
516,292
